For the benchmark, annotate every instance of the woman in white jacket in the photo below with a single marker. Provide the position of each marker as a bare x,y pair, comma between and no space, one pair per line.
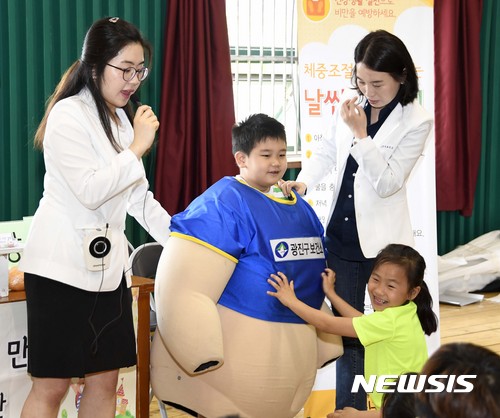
75,261
375,141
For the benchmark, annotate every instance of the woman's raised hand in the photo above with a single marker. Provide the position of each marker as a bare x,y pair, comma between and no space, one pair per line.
145,126
355,117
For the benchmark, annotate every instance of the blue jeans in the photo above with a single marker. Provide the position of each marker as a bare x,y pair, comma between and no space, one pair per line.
350,285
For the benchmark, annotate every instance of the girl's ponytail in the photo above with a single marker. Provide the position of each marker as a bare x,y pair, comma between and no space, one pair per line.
426,315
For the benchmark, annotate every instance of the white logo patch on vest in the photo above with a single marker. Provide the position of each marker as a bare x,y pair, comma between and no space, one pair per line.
293,249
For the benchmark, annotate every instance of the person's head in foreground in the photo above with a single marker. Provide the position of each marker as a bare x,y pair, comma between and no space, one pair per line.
456,359
399,404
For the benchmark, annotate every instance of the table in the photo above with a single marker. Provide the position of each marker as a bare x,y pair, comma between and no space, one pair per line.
145,287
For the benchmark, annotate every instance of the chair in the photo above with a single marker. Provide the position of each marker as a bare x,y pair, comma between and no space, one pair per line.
143,262
130,248
144,259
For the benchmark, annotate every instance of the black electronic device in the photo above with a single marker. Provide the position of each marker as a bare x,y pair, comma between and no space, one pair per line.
97,247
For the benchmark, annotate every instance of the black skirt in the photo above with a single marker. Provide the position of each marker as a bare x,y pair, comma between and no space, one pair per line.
73,332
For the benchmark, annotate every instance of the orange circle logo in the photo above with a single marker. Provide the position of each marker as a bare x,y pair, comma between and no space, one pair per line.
316,9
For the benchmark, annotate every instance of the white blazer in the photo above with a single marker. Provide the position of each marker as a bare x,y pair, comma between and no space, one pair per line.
385,163
88,185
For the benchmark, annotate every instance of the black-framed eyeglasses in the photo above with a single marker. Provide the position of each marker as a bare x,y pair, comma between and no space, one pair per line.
130,72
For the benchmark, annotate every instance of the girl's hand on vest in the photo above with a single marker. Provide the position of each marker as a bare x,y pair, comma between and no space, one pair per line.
145,126
328,282
284,290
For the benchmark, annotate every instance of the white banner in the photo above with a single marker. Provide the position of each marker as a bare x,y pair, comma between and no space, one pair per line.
15,383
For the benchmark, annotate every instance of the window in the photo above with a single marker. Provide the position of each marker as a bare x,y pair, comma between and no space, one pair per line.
263,43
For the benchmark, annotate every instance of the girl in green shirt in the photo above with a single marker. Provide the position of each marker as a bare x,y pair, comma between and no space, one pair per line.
393,336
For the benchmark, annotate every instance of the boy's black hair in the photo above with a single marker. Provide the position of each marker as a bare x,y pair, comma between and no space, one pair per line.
256,128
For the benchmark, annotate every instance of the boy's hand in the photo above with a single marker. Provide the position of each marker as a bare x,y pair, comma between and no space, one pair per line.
328,281
284,290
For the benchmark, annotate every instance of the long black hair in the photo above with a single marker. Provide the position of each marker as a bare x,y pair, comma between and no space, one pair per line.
414,266
103,41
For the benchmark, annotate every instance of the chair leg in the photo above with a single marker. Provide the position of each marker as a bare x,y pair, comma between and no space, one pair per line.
163,409
161,405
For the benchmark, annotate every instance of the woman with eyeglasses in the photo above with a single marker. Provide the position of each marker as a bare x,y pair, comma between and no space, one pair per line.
75,260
